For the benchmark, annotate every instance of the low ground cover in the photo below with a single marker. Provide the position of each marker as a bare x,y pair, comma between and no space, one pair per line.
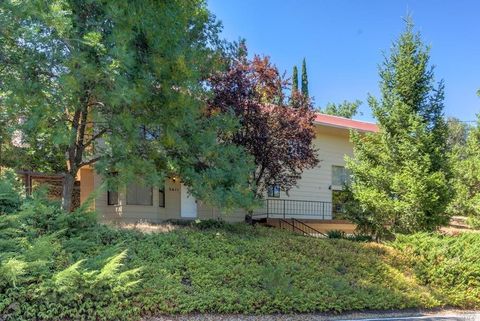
57,266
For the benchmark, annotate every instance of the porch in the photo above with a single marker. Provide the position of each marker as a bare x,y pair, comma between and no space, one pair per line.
314,218
298,209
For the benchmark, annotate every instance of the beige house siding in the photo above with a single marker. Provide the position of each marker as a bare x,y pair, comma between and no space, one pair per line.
332,144
86,177
125,213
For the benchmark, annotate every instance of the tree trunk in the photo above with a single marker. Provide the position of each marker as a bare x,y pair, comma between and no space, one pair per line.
67,191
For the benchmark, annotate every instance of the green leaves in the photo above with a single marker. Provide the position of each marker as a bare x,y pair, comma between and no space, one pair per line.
60,266
12,270
12,192
465,160
401,174
345,109
87,76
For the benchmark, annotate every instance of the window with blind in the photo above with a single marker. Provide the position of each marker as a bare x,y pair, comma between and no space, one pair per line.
340,176
139,195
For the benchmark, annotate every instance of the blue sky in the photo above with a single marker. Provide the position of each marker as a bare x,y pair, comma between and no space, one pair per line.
343,43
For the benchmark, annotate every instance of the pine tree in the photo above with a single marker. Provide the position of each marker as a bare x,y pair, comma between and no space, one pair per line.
400,175
304,78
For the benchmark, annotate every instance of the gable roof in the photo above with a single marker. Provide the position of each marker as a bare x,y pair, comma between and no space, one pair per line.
342,122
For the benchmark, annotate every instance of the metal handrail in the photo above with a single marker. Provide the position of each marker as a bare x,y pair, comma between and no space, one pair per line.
290,224
307,227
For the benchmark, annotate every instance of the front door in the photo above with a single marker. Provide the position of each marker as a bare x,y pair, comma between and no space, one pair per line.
188,204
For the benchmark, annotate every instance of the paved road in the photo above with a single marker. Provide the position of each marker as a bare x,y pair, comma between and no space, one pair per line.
434,317
392,316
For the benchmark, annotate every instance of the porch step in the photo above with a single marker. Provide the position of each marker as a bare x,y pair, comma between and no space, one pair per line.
320,226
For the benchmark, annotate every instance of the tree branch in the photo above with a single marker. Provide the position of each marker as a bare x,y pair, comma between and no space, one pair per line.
90,161
95,137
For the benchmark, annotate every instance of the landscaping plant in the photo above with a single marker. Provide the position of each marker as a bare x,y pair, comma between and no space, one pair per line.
278,135
401,174
56,265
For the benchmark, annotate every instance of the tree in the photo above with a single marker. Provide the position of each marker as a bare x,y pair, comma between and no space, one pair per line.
345,109
278,137
294,80
304,79
466,179
118,85
400,175
457,133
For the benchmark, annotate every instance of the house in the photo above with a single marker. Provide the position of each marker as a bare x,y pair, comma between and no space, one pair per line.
318,196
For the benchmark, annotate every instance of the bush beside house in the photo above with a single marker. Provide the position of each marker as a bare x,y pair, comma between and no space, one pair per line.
57,266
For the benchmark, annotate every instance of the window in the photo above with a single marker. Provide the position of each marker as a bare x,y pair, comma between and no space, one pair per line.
112,197
139,195
273,191
112,193
161,198
340,176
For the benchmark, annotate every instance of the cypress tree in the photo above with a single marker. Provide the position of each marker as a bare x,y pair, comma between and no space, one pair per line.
295,79
304,78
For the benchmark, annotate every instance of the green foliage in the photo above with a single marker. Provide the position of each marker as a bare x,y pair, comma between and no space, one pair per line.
474,222
447,265
58,266
295,79
304,79
335,234
400,175
55,265
120,85
457,133
357,237
209,224
465,160
345,109
12,192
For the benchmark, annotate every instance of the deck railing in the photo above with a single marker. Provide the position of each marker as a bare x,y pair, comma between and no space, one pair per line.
282,208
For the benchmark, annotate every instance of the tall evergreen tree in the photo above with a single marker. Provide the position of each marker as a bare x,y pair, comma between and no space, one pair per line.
304,78
295,80
400,175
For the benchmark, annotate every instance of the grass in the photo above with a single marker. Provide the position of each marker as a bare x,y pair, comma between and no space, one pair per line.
57,265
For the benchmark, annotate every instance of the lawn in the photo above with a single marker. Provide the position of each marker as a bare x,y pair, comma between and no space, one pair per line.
66,266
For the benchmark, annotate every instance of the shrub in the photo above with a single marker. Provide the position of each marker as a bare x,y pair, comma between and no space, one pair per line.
209,224
12,192
448,265
360,237
59,266
474,222
335,234
56,265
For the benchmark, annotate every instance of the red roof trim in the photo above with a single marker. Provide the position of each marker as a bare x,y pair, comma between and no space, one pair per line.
341,122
